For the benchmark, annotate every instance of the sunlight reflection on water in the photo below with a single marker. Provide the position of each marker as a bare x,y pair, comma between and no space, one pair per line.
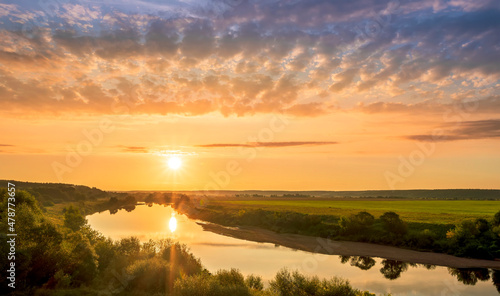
172,224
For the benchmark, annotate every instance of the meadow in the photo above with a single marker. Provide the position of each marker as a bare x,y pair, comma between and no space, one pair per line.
424,211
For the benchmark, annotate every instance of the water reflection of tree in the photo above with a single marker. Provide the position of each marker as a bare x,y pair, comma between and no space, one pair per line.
129,208
470,276
495,276
392,269
361,262
429,266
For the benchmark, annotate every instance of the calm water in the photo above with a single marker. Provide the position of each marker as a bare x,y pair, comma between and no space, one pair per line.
221,252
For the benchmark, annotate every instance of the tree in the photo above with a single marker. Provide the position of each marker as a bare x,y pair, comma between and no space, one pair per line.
130,200
149,199
82,264
286,283
356,223
496,219
392,223
254,282
129,246
364,218
73,219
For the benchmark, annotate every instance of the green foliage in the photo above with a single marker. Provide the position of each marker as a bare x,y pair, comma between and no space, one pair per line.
129,247
230,277
150,275
422,240
38,242
286,283
496,219
73,219
179,255
364,218
356,224
81,261
475,238
221,284
254,282
48,193
63,281
393,224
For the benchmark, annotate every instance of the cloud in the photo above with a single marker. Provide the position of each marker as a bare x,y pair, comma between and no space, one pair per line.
267,144
134,149
241,59
6,145
468,130
486,105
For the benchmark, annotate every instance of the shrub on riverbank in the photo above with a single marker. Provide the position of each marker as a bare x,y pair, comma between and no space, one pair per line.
287,283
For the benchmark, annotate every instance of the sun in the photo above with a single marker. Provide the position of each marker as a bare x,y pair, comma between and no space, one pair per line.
174,162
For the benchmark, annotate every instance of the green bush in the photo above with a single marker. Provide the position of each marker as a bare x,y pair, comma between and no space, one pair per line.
393,224
73,219
223,283
496,219
286,283
150,275
254,282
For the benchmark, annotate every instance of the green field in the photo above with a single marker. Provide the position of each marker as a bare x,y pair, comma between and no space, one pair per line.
427,211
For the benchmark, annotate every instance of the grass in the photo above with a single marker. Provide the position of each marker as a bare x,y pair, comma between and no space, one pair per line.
425,211
55,213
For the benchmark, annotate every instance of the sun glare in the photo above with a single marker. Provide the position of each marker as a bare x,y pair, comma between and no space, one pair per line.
172,224
174,162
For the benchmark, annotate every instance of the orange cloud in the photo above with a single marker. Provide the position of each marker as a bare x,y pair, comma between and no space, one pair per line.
267,144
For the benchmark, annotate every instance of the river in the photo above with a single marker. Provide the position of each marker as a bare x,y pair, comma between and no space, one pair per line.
222,252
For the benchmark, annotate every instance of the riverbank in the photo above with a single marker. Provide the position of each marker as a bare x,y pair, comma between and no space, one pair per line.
347,248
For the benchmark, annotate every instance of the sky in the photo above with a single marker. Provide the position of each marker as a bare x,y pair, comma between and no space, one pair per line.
251,94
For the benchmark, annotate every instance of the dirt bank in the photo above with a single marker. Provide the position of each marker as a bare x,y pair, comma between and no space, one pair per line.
346,248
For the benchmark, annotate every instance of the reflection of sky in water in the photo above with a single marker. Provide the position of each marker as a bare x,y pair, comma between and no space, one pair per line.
222,252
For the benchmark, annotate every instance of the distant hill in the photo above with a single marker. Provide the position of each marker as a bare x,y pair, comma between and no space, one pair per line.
450,194
57,192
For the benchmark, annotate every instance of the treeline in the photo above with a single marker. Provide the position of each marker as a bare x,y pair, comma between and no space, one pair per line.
127,202
73,259
479,238
447,194
52,193
166,198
